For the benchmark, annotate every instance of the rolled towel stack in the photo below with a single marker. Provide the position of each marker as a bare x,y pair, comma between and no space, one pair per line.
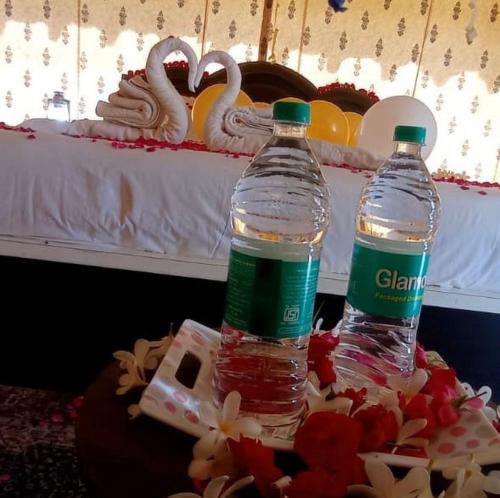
145,109
239,121
134,104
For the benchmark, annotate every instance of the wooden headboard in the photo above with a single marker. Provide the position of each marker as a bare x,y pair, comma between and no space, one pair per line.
267,82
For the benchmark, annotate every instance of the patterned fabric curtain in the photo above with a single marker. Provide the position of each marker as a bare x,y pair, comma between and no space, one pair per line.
402,47
391,46
82,47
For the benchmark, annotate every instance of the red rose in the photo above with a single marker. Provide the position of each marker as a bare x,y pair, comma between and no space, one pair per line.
331,441
442,384
380,427
258,460
445,411
317,483
419,408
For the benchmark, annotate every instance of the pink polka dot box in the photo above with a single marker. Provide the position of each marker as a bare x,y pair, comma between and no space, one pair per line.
184,379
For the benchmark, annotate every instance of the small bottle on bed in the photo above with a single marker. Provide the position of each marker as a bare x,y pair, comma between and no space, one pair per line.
279,216
396,224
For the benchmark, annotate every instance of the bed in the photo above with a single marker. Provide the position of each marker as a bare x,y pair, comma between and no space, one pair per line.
165,210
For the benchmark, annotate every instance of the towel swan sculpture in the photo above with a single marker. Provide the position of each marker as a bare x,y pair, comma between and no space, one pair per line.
217,137
176,117
215,134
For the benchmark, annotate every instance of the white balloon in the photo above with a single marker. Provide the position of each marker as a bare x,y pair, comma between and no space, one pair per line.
376,131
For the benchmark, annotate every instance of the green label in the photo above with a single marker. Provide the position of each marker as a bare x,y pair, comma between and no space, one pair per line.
270,297
386,283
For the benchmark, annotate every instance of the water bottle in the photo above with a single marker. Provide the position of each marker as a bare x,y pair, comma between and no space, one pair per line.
396,223
279,216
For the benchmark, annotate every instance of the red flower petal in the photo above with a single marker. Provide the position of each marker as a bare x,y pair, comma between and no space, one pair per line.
442,384
317,483
418,408
325,371
358,397
420,357
319,357
446,414
258,460
321,345
380,427
331,441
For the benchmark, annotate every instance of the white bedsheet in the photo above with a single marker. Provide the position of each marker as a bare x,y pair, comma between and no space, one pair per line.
68,189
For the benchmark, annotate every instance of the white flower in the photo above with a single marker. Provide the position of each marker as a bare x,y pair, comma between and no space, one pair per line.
384,485
466,485
389,400
491,413
470,482
134,411
215,486
492,482
409,429
225,424
281,484
205,467
452,471
157,351
317,327
145,357
316,398
133,377
409,386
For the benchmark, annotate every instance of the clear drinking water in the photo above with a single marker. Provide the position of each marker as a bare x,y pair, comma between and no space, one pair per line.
395,226
280,212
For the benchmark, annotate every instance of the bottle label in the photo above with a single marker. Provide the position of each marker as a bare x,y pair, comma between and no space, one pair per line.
387,284
270,297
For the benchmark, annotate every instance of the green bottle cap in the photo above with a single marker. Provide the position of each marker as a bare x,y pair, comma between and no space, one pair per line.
412,134
292,112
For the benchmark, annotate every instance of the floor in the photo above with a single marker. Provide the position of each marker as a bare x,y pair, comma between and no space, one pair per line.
37,444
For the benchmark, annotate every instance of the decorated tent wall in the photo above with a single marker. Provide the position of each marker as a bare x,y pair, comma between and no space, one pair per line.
392,46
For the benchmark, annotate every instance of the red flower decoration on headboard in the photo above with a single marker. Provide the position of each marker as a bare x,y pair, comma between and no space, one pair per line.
348,86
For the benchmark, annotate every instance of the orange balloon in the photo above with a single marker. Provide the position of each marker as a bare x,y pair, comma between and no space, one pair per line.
262,105
354,121
205,101
328,122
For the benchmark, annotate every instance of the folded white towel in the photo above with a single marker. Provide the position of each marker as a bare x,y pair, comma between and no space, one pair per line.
239,121
255,126
246,129
148,110
134,104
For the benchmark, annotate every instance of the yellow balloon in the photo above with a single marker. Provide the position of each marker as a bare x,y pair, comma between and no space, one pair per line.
262,105
354,121
291,99
328,122
205,101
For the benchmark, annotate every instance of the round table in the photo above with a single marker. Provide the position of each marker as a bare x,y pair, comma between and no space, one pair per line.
122,458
